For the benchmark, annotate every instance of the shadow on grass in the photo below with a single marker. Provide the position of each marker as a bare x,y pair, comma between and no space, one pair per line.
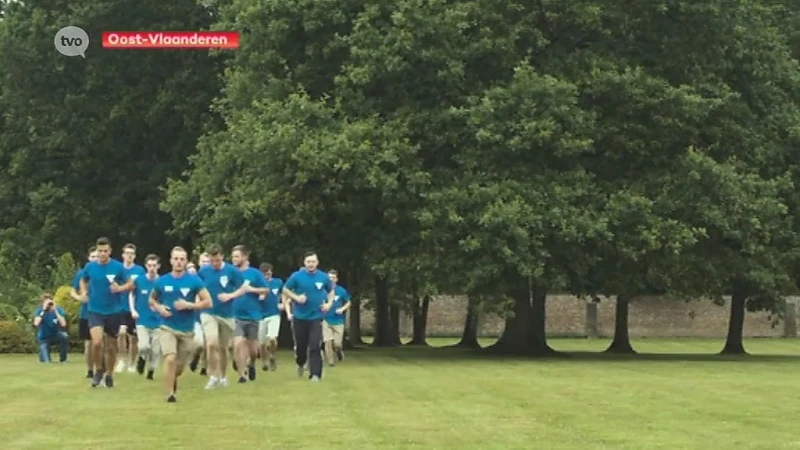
458,354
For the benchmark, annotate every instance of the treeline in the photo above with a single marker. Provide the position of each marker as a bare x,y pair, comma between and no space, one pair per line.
497,149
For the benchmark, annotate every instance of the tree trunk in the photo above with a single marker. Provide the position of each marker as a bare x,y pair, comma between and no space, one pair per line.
354,328
394,313
420,310
383,323
622,340
538,333
734,344
515,339
469,338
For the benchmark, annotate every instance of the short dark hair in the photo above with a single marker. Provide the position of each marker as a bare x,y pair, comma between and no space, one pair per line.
309,253
265,267
152,257
333,272
104,241
92,249
129,246
214,250
241,249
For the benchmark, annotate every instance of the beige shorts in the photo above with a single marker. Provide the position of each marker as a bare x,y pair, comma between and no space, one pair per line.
333,333
269,328
148,339
177,343
217,330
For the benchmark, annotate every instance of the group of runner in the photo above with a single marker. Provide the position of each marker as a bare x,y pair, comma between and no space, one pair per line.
132,319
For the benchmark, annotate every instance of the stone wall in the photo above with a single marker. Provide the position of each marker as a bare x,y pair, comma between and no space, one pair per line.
567,316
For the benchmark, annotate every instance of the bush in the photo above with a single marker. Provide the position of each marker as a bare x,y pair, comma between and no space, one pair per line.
70,306
16,338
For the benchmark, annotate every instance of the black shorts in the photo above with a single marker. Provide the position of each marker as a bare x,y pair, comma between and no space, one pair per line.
83,329
110,323
128,321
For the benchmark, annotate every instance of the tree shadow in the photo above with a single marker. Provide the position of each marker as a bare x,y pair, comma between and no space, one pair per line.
453,354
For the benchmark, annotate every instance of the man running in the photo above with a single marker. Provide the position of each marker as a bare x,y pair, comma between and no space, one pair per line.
148,322
247,312
333,324
270,325
200,357
176,296
83,323
128,353
312,295
101,284
218,322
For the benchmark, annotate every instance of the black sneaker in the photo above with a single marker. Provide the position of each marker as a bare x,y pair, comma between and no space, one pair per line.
109,381
242,380
340,354
235,367
97,378
265,368
89,374
203,371
140,365
150,374
194,363
251,373
171,398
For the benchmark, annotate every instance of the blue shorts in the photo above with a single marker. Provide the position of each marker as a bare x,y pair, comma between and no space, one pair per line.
110,323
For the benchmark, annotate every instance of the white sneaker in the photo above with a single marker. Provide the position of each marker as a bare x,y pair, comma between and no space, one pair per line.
131,369
120,367
212,383
223,382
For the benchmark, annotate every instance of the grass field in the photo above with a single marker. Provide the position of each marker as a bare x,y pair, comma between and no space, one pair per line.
428,398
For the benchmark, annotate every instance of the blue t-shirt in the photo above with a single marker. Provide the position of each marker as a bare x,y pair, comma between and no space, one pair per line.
76,284
340,298
247,306
171,289
269,306
100,276
142,287
223,281
135,271
48,327
316,286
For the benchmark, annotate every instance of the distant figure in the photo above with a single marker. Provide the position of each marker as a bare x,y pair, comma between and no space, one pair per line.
333,324
50,322
270,326
83,323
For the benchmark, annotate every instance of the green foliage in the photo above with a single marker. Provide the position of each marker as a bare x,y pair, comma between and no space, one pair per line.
63,298
16,338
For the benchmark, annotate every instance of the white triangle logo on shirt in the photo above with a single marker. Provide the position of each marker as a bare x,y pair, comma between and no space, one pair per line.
134,277
185,291
274,292
223,280
110,278
336,297
319,285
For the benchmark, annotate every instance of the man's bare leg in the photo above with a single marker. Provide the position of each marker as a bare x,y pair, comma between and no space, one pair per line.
87,355
110,358
241,355
264,352
272,349
329,355
203,361
97,353
133,351
170,376
122,346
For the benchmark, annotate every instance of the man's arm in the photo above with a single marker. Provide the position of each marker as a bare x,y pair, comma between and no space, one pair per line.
205,300
75,294
132,302
154,299
38,319
346,306
84,288
287,304
60,317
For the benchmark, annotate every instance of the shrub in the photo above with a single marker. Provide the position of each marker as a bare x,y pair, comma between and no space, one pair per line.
70,306
16,338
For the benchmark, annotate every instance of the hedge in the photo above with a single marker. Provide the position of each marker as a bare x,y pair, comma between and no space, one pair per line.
16,338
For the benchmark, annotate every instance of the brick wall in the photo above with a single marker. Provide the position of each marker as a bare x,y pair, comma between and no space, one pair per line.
566,316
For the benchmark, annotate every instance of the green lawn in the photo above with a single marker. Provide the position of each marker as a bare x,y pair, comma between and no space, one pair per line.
427,398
